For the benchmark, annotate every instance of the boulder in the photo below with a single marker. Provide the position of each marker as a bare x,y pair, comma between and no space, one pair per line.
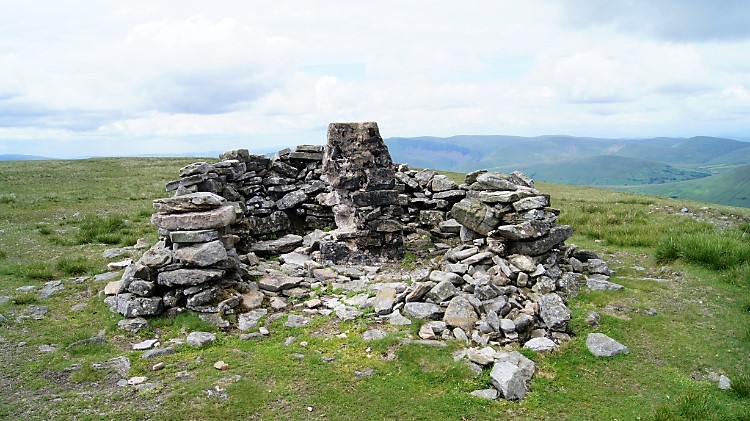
541,245
553,312
425,311
202,254
602,345
475,215
200,339
509,380
384,300
460,313
493,181
189,277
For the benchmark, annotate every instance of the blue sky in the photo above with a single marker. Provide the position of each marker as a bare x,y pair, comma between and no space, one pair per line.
83,78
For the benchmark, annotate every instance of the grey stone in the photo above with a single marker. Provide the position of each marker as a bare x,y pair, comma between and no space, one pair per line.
598,266
440,183
200,201
131,306
440,276
51,288
249,320
525,263
202,254
553,312
133,325
475,215
526,230
120,365
507,326
291,200
601,283
281,245
157,256
157,353
530,203
373,334
724,382
200,339
277,281
460,313
477,356
602,345
493,181
450,226
141,288
507,196
489,394
215,218
541,245
423,311
509,380
384,300
144,345
442,291
199,236
251,300
347,313
195,168
189,277
296,321
397,319
540,344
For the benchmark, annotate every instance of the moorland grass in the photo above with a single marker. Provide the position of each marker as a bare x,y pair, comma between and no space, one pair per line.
702,323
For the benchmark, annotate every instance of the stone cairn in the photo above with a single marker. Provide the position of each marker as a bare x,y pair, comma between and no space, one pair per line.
334,214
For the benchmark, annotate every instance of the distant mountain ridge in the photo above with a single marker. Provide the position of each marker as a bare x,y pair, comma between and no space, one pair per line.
19,157
589,161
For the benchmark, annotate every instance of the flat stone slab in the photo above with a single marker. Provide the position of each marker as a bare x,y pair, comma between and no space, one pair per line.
540,344
192,202
601,283
215,218
189,276
417,310
277,281
602,345
284,244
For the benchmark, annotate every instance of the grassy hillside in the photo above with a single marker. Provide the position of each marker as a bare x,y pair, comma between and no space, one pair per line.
684,314
731,188
608,170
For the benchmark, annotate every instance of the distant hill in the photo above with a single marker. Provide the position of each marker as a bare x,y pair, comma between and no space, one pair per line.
729,188
609,170
656,162
15,157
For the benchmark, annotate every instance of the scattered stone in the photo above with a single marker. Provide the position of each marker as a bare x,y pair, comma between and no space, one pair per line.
601,283
724,383
134,325
122,264
249,320
460,313
602,345
158,352
296,321
200,339
144,345
425,311
368,372
120,365
373,334
509,380
137,380
397,319
47,348
50,288
490,394
540,344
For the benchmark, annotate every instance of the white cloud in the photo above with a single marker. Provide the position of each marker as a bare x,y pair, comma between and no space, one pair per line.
152,73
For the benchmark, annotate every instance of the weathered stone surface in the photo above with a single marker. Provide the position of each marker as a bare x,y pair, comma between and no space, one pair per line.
291,200
120,365
157,256
493,181
133,325
540,344
200,339
51,288
200,236
460,313
215,218
131,306
441,183
490,394
525,263
529,203
295,320
200,201
425,311
284,244
475,215
601,283
397,319
195,168
509,380
384,300
501,196
277,281
142,288
249,320
157,353
442,291
524,231
202,254
450,226
275,222
602,345
541,245
553,312
598,266
440,276
188,277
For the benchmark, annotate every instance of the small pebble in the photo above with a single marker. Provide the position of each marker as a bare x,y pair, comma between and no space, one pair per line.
221,365
158,366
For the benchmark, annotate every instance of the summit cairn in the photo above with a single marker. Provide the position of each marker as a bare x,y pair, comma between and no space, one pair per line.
365,204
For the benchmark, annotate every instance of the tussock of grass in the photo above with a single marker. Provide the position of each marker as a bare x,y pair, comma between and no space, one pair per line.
108,230
713,250
38,271
741,385
24,299
8,198
74,266
691,406
3,255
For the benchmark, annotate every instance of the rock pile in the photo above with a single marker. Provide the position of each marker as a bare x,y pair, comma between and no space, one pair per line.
365,204
506,281
193,266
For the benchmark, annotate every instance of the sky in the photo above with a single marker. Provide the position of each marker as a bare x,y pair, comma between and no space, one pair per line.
109,78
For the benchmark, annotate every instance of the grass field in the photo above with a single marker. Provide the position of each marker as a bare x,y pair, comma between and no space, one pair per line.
684,314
